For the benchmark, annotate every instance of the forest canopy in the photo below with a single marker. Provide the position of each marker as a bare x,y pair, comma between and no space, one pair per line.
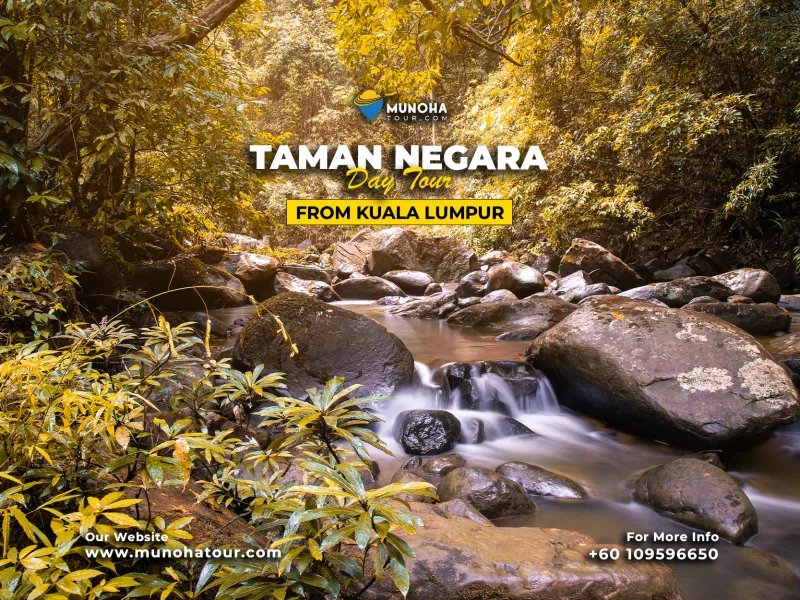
667,120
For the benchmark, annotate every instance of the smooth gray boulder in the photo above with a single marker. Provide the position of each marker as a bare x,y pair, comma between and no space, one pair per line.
672,375
699,494
790,302
495,257
576,295
436,306
756,319
309,272
515,277
367,288
411,282
679,271
286,282
433,288
500,296
331,342
531,312
599,263
255,271
541,482
680,291
757,284
491,494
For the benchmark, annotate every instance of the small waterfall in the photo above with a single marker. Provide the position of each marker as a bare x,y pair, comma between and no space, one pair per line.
424,374
544,401
495,394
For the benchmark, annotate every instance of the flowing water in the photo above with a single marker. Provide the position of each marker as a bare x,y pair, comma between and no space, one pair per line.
602,460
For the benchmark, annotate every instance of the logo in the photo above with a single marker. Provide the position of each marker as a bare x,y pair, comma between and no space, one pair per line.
369,103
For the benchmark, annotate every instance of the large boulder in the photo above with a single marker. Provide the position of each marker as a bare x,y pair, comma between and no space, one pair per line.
411,282
351,256
757,284
492,494
194,284
578,294
423,432
367,288
680,291
460,559
331,342
243,242
308,272
699,494
673,375
472,284
602,266
443,258
541,482
286,282
500,296
437,306
757,319
515,277
790,302
255,271
495,257
537,312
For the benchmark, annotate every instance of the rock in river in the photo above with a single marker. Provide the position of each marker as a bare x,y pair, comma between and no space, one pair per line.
680,291
515,277
286,282
756,319
425,432
331,341
699,494
537,312
541,482
672,375
367,288
411,282
603,266
436,306
492,494
757,284
459,559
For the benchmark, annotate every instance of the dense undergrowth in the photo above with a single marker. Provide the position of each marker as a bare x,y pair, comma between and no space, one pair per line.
96,419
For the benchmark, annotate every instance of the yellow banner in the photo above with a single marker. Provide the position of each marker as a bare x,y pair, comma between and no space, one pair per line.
398,212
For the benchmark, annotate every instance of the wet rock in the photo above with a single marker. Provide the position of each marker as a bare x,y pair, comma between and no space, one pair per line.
573,281
508,427
255,271
442,465
737,299
437,306
309,272
790,302
541,482
367,288
786,346
443,258
603,266
544,262
472,432
530,312
495,257
576,295
351,256
393,300
658,302
459,559
521,334
712,458
460,508
515,277
700,300
522,379
218,328
433,288
472,284
680,291
331,341
411,282
425,432
491,494
673,375
757,284
286,282
756,319
500,296
699,494
678,271
415,462
212,287
465,302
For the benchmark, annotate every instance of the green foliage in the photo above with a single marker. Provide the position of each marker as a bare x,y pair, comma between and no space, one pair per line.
91,429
